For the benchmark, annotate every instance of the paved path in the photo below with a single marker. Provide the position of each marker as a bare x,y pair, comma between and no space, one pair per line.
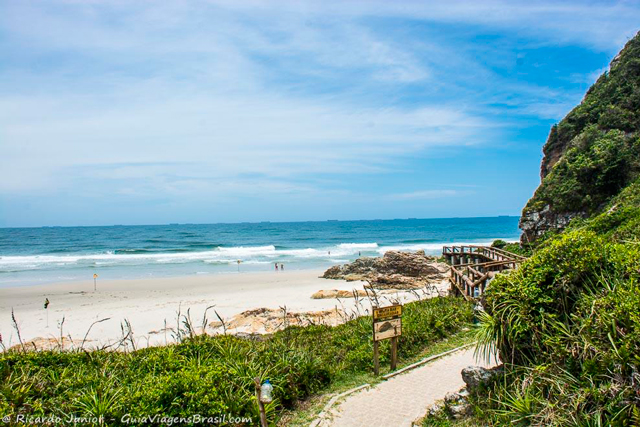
401,399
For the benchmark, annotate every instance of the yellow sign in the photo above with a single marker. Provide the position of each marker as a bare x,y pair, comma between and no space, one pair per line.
386,313
95,276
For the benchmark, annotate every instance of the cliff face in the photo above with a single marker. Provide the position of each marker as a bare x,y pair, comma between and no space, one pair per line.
593,153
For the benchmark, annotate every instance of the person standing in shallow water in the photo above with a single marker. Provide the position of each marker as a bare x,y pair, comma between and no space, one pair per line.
276,266
281,267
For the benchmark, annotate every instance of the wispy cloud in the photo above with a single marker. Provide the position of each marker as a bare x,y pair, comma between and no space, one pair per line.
175,98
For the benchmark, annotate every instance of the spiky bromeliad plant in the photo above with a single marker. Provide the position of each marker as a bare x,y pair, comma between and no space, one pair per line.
567,326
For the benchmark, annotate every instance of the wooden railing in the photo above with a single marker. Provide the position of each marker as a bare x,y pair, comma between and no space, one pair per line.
485,251
472,267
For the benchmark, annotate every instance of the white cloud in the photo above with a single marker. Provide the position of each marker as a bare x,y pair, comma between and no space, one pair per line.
213,136
176,96
602,24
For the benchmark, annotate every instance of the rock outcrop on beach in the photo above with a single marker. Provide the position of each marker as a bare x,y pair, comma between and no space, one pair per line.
49,344
395,270
267,320
592,154
339,293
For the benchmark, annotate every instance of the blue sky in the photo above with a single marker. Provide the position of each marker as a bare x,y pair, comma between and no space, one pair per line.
119,112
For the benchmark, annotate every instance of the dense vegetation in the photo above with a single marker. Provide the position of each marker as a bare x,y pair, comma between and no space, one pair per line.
596,145
620,220
211,375
598,165
512,247
567,325
567,322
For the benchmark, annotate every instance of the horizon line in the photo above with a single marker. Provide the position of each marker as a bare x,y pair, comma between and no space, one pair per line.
258,222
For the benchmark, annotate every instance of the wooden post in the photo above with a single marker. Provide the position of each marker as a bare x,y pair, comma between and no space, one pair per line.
394,353
263,415
376,359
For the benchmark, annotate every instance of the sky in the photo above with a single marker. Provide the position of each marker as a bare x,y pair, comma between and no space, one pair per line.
154,112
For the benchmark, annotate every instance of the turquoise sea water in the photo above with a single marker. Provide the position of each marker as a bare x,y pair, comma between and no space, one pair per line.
51,254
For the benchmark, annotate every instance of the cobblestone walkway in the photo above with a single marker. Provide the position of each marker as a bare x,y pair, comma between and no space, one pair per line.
401,399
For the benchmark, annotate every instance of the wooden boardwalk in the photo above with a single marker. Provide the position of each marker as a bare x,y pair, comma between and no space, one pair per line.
472,267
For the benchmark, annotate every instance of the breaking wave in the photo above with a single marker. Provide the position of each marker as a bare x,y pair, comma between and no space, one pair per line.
217,256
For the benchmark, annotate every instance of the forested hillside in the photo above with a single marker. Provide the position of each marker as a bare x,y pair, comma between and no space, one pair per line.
593,153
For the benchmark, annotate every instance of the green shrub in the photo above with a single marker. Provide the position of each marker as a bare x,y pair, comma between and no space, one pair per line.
597,166
499,244
567,323
212,375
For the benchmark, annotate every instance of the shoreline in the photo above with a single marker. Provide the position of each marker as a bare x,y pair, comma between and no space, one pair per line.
148,303
230,271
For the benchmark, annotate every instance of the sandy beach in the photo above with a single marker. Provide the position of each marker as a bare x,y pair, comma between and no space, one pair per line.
148,303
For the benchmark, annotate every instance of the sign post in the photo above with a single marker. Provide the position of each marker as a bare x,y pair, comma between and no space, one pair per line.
387,324
95,276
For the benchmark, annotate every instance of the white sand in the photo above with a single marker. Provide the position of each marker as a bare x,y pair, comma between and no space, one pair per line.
147,303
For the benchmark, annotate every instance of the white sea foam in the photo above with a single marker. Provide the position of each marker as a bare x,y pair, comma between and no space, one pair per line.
358,245
220,256
242,251
429,248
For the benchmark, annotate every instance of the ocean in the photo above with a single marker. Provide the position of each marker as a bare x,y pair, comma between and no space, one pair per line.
53,254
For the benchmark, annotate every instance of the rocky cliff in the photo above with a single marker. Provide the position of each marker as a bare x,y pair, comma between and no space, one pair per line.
593,153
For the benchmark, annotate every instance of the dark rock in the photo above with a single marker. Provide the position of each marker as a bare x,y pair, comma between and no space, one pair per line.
475,376
435,409
397,270
460,410
452,398
334,272
407,264
535,223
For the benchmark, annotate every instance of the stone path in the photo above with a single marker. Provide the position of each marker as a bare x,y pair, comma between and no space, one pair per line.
401,399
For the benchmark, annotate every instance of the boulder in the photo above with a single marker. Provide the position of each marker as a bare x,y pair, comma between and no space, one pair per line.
452,398
475,376
266,320
457,404
412,264
334,272
396,281
435,409
460,410
394,270
534,223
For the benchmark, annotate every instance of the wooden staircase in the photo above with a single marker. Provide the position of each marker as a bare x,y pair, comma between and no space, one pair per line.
472,267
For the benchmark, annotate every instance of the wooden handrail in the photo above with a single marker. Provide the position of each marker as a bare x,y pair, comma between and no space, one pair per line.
461,250
490,263
471,278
